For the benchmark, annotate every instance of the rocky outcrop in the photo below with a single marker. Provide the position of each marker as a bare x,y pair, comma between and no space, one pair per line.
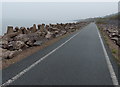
17,39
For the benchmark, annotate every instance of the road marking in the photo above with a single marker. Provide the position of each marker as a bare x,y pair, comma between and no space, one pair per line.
34,64
111,70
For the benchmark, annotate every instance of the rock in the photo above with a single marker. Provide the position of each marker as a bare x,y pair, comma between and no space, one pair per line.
10,29
20,31
12,54
5,54
2,50
31,29
38,43
16,29
10,36
19,45
22,37
1,37
39,26
30,43
63,32
9,54
4,44
42,28
34,28
49,35
55,29
115,39
23,29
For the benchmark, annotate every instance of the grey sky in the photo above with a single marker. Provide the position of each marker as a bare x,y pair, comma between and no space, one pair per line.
58,10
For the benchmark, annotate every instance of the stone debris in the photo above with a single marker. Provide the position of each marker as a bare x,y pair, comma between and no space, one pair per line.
112,32
17,39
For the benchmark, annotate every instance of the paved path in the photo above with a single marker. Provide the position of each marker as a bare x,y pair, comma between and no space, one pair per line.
78,61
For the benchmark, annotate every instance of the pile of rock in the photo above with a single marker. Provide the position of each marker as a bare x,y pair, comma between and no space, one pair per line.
17,39
112,31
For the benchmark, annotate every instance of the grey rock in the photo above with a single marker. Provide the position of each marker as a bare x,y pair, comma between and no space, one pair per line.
10,29
38,43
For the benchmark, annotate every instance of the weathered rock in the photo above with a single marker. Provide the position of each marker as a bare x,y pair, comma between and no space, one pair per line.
2,50
10,29
12,54
30,43
10,36
23,29
19,45
22,37
9,54
49,35
34,28
63,32
16,29
39,26
4,44
31,29
38,43
42,28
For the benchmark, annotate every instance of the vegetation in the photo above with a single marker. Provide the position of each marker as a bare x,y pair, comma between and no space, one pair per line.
114,51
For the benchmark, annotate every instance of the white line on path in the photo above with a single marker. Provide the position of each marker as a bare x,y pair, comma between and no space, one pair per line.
34,64
111,70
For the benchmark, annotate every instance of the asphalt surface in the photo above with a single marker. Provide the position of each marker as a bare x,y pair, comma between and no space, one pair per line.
80,61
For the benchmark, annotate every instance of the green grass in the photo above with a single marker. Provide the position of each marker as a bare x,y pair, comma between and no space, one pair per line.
114,51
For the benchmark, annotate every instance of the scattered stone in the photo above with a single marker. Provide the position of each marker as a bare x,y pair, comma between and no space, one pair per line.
18,39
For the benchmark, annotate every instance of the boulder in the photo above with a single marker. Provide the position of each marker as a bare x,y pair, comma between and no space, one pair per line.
30,43
42,27
49,35
2,50
34,28
4,44
12,54
10,36
24,30
38,43
20,31
16,29
22,37
19,45
39,26
10,29
8,54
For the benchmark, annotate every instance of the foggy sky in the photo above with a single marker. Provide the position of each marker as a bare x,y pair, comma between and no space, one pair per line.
57,10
